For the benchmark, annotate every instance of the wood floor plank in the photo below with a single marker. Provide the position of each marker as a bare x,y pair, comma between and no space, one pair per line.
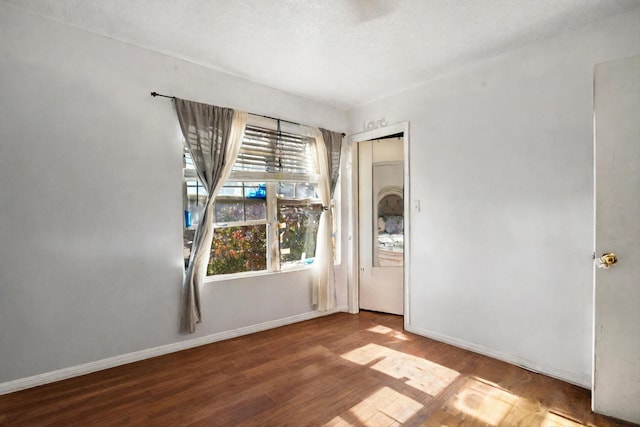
339,370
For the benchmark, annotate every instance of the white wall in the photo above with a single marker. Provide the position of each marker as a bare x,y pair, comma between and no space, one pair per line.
501,160
90,199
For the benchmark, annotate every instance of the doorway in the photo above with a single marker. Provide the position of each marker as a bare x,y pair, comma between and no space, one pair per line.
379,220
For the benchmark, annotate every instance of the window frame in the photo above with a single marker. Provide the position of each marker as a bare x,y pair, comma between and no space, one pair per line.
271,179
273,254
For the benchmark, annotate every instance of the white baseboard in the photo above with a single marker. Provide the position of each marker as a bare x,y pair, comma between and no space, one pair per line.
98,365
514,360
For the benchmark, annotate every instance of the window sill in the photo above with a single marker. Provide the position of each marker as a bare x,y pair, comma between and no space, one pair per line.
248,274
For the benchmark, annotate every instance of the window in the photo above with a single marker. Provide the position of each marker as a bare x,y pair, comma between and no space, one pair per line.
268,211
298,218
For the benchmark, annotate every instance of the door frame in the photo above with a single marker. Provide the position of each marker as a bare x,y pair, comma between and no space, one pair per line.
353,288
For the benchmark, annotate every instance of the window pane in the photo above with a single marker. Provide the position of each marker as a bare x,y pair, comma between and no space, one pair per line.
229,210
297,190
255,190
233,189
241,201
256,201
297,230
287,190
194,198
238,249
255,209
306,190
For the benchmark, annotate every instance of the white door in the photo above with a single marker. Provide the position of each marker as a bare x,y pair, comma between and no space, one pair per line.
616,388
381,225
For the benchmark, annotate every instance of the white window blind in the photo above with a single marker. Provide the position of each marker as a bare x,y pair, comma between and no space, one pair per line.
278,153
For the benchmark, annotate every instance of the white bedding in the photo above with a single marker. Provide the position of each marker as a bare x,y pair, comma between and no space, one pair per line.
390,250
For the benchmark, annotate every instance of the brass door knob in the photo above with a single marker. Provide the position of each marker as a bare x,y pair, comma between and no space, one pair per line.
607,260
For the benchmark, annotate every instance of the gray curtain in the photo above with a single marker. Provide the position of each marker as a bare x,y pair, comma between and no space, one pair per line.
333,142
206,129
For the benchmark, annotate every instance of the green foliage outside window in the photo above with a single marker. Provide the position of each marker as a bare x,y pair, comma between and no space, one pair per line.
244,248
238,249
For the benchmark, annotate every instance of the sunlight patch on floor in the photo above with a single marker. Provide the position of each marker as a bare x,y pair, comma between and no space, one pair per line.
379,329
483,401
386,407
554,420
383,330
421,374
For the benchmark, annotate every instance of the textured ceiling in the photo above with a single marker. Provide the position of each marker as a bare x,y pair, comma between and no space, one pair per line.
339,52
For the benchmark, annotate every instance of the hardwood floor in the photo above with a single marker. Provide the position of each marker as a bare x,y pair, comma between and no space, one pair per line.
340,370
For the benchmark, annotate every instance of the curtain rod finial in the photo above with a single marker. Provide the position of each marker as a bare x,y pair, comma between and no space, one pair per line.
154,94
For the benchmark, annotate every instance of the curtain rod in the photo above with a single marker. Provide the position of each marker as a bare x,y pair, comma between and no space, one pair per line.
173,98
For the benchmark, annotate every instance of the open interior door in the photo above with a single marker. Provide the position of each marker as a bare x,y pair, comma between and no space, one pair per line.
381,225
616,388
